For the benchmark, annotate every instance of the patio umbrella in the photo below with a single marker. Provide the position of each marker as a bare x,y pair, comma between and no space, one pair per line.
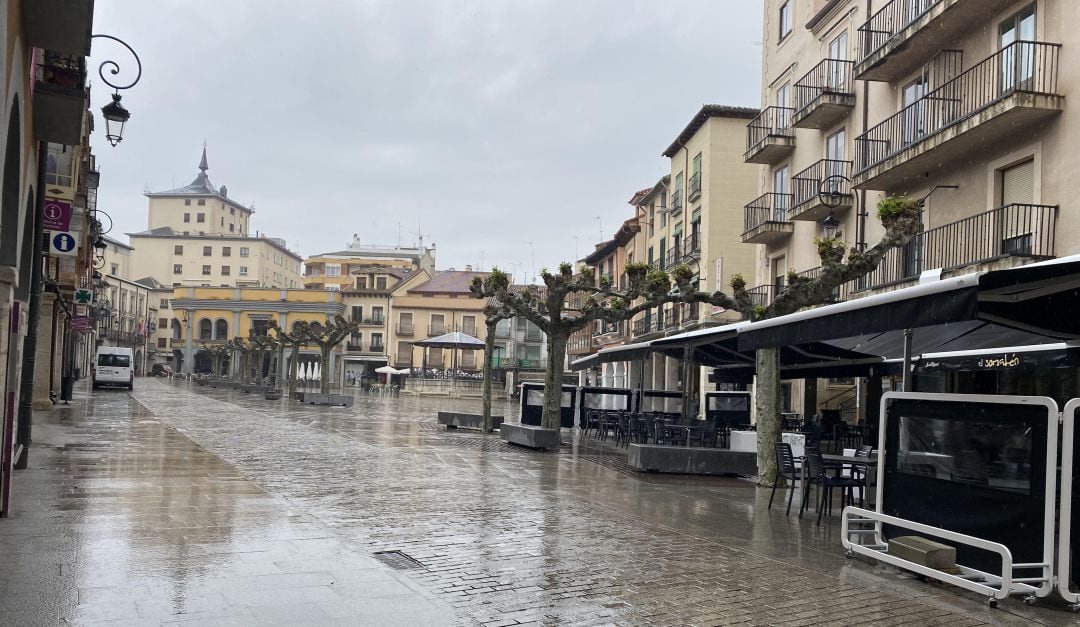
455,340
387,370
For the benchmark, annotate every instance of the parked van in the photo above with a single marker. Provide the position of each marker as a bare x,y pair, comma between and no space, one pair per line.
114,365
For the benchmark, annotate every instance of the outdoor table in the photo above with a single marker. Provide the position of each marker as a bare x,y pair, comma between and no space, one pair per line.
746,441
866,463
689,429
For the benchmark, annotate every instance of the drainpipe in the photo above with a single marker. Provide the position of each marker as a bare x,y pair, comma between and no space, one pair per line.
26,386
863,212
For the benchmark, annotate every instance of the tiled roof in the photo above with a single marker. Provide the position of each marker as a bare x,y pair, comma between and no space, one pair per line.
706,112
448,282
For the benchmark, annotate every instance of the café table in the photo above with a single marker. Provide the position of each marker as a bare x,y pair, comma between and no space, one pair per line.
867,464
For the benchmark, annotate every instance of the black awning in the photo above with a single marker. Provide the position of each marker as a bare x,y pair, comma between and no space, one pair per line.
1006,358
625,352
1040,298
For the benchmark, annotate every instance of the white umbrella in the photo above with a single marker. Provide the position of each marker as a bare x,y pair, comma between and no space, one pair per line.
316,371
387,370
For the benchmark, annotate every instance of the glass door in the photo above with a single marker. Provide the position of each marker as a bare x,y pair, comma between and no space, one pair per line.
914,108
833,181
838,48
781,190
1016,37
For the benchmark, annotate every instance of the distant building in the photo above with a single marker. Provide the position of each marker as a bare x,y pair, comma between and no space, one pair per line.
197,236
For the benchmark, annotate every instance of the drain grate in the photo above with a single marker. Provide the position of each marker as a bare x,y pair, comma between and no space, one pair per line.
397,560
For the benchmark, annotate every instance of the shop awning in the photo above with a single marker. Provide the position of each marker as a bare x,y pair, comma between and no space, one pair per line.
1039,298
625,352
1057,355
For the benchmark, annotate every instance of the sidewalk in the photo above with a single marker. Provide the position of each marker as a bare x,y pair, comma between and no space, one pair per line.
122,521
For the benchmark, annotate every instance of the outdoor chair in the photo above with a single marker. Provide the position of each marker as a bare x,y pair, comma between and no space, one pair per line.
592,422
706,436
859,474
818,474
785,467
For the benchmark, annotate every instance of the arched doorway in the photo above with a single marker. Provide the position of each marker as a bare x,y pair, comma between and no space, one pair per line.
11,254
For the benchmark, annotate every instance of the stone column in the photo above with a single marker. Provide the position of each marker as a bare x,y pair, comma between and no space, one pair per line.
189,353
44,362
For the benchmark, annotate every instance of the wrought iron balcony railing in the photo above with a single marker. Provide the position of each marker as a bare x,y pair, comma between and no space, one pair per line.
1017,230
695,186
892,18
1021,67
831,76
770,207
825,176
676,200
771,122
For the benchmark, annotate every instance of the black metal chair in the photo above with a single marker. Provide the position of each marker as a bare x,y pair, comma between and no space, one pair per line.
859,473
786,468
818,474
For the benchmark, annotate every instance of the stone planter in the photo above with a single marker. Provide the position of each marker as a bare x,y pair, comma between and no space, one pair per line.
531,437
272,395
316,398
454,420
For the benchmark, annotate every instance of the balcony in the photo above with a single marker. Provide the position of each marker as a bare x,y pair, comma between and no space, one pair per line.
61,25
695,187
901,36
769,136
825,95
676,201
821,189
766,219
59,97
692,246
610,328
1022,231
405,330
763,295
671,318
370,322
354,347
1000,98
376,348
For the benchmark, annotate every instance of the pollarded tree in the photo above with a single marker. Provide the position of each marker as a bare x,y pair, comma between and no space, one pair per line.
293,341
494,313
900,217
601,300
327,337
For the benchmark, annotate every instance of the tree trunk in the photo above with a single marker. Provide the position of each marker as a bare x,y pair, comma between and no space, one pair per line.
767,399
280,369
293,366
324,375
552,416
489,352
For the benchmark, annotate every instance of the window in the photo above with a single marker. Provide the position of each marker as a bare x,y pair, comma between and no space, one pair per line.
779,271
377,315
114,269
332,269
468,326
380,283
162,342
435,358
187,217
785,19
206,329
834,164
206,270
178,250
178,268
231,228
163,322
405,323
438,324
1018,61
652,218
838,50
164,303
376,342
222,220
232,211
783,100
207,251
200,217
781,189
243,270
226,251
695,175
221,329
357,313
187,202
225,270
361,282
244,251
202,201
677,193
915,110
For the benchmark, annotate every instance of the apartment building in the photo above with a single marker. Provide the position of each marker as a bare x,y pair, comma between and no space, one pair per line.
334,270
204,316
197,236
959,104
368,302
430,308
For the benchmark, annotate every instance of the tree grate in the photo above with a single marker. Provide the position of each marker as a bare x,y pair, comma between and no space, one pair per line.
397,560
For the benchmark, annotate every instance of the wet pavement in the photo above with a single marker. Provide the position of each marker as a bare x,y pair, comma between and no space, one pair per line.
182,503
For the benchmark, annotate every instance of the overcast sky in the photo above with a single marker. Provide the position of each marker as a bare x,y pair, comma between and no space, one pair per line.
489,123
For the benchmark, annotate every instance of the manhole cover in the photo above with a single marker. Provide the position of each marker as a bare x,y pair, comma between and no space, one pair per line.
397,560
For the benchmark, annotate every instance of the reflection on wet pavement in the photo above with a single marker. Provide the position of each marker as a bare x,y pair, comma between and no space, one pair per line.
257,511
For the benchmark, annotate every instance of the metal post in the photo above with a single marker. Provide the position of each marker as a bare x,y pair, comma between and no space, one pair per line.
686,383
909,383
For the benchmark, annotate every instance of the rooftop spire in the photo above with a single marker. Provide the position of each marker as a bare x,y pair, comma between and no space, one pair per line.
202,162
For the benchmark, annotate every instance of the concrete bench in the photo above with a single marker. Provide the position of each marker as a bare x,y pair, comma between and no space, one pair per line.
454,420
316,398
691,460
531,437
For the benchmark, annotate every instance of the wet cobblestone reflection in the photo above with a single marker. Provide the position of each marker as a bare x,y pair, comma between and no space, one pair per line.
194,503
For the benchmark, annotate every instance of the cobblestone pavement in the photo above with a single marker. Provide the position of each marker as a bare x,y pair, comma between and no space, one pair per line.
509,536
122,521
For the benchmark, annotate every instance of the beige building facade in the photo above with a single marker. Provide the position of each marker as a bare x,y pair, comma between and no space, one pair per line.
199,237
955,103
431,308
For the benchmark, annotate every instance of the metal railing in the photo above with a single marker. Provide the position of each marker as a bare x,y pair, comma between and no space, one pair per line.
771,122
838,294
405,330
836,176
691,312
695,184
676,200
831,76
354,347
1021,67
368,321
61,70
763,295
671,318
376,348
771,207
610,327
892,18
1016,230
692,245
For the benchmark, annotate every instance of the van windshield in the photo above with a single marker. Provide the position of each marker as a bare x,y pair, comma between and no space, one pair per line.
115,361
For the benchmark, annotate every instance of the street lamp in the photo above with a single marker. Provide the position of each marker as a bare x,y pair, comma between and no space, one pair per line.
115,114
831,225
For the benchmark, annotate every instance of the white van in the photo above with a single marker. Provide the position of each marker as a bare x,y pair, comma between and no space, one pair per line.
114,365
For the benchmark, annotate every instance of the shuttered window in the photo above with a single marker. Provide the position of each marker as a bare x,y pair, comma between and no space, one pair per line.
1018,184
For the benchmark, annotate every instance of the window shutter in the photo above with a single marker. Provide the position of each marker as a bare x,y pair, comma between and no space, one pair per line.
1018,184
